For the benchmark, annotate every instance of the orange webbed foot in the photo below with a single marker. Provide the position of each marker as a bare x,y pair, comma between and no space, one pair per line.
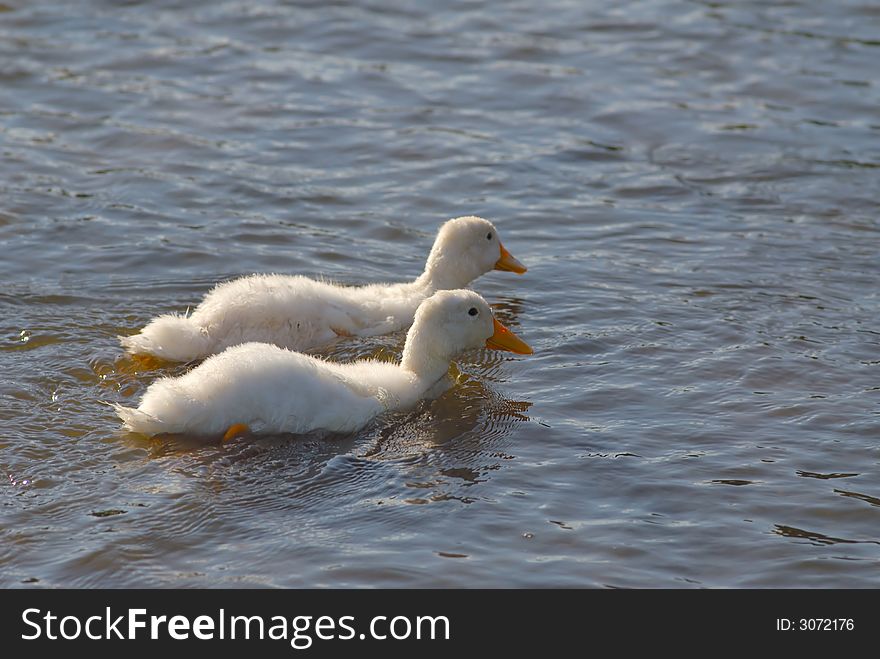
235,430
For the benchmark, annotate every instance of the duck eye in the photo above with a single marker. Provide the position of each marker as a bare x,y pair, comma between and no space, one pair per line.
473,311
489,236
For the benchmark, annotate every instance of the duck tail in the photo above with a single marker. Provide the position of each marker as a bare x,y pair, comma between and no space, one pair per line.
135,420
172,337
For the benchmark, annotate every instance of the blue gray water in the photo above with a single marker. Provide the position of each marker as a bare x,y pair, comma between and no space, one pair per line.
693,185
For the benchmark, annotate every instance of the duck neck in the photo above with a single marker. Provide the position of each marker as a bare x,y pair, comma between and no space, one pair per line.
442,275
424,358
426,283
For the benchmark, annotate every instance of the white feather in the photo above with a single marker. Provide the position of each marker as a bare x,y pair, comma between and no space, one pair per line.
300,313
275,390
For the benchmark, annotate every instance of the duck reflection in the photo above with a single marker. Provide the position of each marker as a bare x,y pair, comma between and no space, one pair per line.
452,442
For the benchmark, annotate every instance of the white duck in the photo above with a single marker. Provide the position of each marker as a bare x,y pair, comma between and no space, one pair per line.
261,388
300,313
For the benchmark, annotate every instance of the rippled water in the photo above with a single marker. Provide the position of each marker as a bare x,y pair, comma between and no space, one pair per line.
693,185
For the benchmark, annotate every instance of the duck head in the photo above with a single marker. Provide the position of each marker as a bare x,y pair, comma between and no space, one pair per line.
448,323
466,248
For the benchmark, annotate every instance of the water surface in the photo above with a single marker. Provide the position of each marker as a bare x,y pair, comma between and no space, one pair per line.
693,185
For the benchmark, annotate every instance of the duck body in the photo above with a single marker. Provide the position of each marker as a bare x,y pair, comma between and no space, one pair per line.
293,312
271,389
268,389
300,313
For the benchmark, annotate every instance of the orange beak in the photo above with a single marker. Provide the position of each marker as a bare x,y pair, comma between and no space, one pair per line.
508,263
504,339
